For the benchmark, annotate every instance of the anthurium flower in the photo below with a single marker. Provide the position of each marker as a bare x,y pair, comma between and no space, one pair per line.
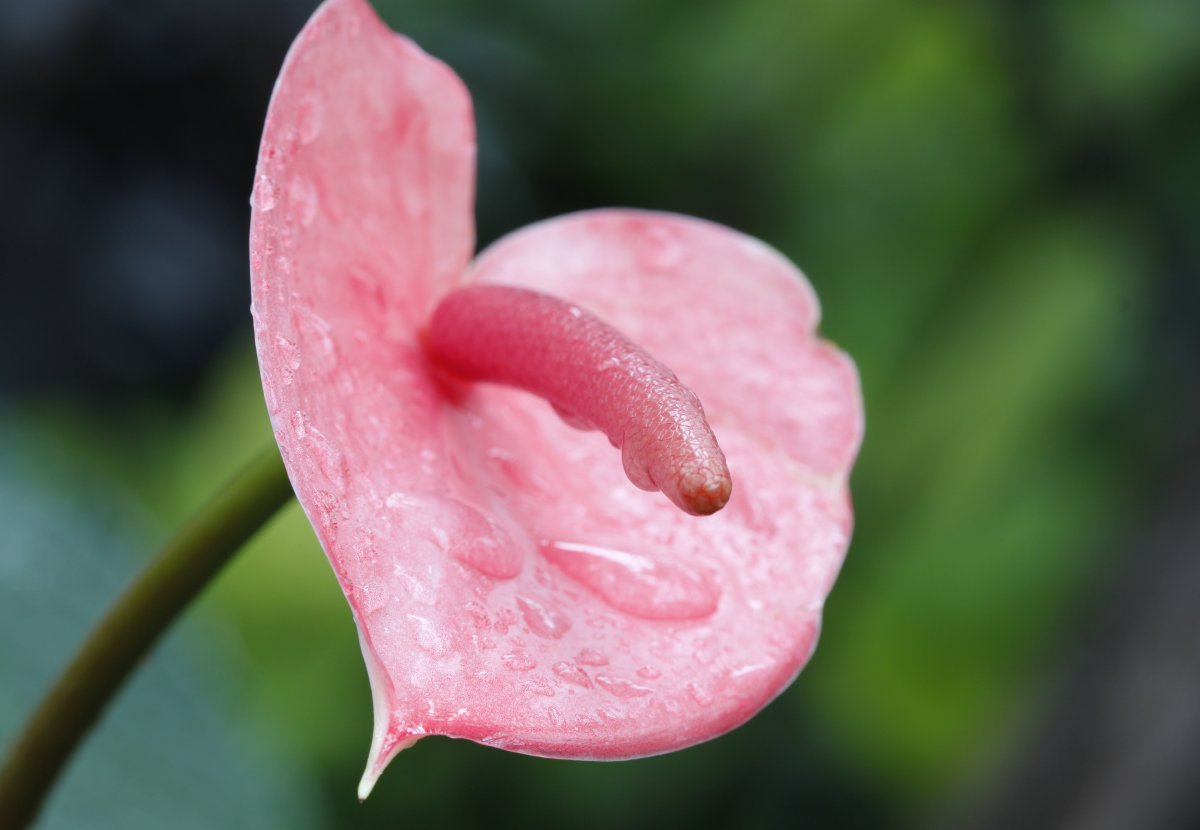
510,583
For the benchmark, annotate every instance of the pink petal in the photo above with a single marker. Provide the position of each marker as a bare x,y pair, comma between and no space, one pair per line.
509,583
721,612
366,174
733,318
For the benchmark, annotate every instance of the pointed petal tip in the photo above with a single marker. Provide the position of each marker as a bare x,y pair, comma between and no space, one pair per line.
370,776
387,737
378,762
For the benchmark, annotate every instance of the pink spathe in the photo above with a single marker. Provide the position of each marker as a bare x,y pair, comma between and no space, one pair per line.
510,584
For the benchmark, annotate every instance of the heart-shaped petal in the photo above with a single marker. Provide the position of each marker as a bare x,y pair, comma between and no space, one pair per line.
510,584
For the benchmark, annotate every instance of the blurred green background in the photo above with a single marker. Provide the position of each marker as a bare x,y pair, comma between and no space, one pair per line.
999,205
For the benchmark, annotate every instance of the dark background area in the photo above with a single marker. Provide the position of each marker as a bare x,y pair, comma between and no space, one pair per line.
999,205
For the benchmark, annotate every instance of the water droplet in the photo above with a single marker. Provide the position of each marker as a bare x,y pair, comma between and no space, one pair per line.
263,196
572,674
591,657
308,119
269,395
554,715
621,688
519,661
330,459
441,537
316,335
504,618
698,693
637,584
328,509
478,614
427,636
304,200
291,357
299,424
397,501
649,673
477,540
542,619
418,589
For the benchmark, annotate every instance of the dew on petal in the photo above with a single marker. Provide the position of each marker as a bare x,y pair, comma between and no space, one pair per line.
591,657
701,695
291,358
330,460
572,674
519,661
300,424
263,196
621,688
479,541
504,619
317,337
637,584
478,614
542,619
428,637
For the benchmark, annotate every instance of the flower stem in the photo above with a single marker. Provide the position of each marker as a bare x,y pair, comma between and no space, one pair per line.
118,642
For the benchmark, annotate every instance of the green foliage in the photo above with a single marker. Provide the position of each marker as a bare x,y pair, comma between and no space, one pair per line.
985,503
170,752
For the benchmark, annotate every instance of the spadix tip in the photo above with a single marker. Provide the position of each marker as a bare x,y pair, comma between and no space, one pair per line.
704,492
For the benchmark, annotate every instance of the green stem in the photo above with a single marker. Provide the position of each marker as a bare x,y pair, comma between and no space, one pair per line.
119,641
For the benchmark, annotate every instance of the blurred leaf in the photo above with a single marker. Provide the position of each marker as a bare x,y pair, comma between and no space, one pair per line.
169,753
985,506
1123,58
916,158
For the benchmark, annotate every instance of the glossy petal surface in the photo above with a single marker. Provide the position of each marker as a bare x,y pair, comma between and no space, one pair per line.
510,585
